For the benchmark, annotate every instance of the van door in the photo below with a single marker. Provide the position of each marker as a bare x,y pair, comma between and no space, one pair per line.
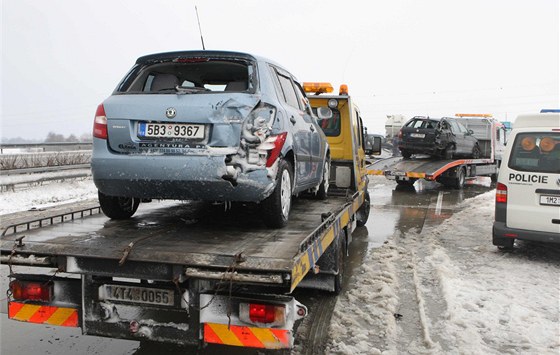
533,182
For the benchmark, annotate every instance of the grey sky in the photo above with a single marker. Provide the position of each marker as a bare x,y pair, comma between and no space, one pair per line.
61,58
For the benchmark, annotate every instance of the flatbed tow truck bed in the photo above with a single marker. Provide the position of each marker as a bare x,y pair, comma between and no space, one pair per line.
448,172
183,234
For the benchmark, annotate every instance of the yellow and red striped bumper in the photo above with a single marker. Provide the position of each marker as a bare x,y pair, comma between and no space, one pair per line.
235,335
32,313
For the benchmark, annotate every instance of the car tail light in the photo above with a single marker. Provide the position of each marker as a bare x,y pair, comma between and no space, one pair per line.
271,314
501,193
100,123
400,134
26,290
278,142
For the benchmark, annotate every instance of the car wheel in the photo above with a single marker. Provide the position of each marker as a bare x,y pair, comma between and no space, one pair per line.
116,207
406,154
276,207
363,212
459,180
324,187
476,152
505,244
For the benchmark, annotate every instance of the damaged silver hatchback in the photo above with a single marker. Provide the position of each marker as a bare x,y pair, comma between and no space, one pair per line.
208,125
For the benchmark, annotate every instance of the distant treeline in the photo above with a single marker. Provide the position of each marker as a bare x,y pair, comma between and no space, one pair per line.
51,138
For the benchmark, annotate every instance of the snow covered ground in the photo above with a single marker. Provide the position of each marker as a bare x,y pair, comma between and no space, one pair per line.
46,194
469,298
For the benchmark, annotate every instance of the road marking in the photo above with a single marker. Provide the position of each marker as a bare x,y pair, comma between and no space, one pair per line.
439,203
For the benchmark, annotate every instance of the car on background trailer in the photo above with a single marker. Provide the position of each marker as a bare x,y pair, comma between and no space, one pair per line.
208,125
439,137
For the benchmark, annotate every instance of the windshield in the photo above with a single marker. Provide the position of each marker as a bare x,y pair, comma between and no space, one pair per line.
537,152
190,75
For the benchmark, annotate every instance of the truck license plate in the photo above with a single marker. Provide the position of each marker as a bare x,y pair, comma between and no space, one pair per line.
550,200
137,294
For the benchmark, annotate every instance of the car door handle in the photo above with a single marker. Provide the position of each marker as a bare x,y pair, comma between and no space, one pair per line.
293,120
312,128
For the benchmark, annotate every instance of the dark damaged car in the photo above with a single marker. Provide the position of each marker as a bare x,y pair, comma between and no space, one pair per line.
444,138
212,126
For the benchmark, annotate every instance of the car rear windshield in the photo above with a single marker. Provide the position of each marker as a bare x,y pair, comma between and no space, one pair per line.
190,75
536,152
422,123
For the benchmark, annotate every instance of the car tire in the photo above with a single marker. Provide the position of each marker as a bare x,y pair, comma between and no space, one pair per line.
276,207
362,214
406,154
476,152
116,207
323,191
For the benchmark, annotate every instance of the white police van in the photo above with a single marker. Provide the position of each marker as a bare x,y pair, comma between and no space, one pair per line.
528,187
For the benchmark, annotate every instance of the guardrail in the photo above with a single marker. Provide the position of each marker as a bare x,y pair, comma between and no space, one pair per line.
47,147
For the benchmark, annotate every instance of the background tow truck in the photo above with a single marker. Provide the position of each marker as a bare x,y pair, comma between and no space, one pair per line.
188,273
491,135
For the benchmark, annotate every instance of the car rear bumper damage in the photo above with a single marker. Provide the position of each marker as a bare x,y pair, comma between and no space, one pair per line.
178,177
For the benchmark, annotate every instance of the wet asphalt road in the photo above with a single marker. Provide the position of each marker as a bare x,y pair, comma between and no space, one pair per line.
393,209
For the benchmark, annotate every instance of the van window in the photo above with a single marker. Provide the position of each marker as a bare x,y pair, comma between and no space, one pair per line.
536,152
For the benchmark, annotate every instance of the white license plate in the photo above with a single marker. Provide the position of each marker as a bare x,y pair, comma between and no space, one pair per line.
417,135
171,130
137,294
550,200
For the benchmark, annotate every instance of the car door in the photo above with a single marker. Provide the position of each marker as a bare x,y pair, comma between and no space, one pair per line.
317,137
460,140
301,129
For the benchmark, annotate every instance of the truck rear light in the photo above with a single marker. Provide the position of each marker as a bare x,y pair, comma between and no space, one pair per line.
257,313
100,123
278,142
36,291
501,193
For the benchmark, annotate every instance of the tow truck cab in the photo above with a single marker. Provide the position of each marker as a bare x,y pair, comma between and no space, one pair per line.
341,121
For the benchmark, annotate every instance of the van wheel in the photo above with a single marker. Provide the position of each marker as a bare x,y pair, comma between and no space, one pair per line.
276,207
116,207
324,187
363,212
505,244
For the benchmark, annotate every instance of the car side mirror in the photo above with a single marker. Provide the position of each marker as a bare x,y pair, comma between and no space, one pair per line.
374,148
471,132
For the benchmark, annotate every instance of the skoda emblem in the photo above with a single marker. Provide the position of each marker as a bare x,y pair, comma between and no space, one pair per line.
170,112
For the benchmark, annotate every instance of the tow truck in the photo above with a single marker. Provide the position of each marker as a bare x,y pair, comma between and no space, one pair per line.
491,135
189,273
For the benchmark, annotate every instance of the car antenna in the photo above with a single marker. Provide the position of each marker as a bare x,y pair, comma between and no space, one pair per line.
199,29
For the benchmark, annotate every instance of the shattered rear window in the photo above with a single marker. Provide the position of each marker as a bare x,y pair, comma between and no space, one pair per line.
190,75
